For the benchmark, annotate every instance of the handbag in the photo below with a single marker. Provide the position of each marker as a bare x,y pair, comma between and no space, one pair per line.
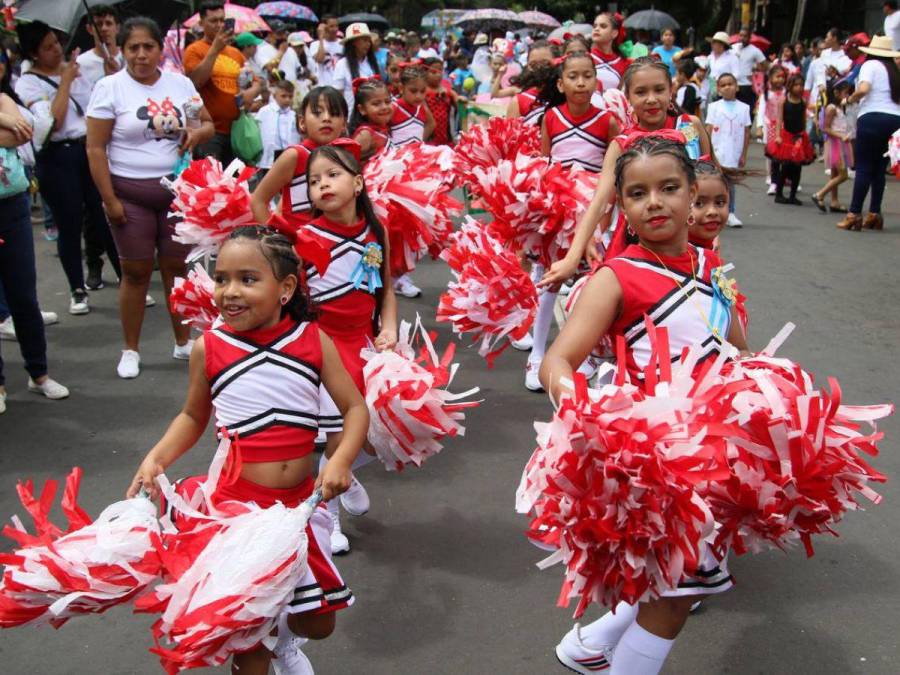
13,180
246,139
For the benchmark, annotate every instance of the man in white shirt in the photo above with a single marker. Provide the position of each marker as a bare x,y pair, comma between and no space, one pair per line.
892,22
749,60
105,58
327,50
267,51
836,63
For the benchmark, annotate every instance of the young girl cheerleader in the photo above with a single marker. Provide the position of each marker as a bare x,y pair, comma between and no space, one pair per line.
790,148
353,296
664,278
838,145
525,86
710,209
606,37
393,75
371,115
769,113
573,132
440,100
649,90
323,118
273,409
412,122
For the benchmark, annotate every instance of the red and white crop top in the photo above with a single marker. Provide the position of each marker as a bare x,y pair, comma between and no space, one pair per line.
265,387
296,206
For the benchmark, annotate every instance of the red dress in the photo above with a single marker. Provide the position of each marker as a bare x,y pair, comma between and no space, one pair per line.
296,206
439,102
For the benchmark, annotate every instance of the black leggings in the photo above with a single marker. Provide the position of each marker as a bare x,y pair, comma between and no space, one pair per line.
786,171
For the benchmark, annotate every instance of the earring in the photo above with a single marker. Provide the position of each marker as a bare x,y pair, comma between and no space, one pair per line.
284,299
630,231
358,192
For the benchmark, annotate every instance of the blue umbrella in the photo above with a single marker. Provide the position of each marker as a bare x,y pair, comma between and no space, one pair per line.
282,9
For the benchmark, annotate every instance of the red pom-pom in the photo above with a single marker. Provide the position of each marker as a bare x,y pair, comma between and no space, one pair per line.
92,566
410,409
193,300
484,145
491,297
209,203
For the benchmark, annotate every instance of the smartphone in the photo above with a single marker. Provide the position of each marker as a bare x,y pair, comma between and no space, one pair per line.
229,25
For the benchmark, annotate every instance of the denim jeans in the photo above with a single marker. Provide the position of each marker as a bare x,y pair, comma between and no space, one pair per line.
19,279
873,131
4,309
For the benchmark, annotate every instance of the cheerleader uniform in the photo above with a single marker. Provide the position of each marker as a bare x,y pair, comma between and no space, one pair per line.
265,388
345,297
580,141
610,68
381,136
296,206
408,124
530,109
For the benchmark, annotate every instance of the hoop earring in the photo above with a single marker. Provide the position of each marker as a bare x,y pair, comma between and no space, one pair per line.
284,299
630,231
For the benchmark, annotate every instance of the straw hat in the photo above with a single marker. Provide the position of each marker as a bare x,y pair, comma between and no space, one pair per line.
356,31
481,39
881,45
720,36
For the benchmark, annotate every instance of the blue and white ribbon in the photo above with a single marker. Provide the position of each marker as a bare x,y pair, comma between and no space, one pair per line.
368,269
724,297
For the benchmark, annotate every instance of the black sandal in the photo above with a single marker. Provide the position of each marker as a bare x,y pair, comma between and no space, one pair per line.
818,201
840,208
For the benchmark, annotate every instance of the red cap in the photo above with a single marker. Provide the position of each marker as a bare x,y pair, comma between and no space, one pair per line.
858,40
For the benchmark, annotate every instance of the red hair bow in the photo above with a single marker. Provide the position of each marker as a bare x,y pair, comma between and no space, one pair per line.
403,65
559,60
306,246
667,134
360,81
349,145
620,37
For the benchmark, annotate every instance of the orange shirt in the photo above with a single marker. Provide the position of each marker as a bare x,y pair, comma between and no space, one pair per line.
219,91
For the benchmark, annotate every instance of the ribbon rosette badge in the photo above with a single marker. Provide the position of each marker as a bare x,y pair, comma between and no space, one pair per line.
724,287
368,270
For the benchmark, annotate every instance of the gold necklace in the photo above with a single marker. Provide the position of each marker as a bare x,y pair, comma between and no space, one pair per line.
690,296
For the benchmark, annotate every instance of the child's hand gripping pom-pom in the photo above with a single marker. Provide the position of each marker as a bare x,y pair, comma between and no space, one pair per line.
893,153
92,566
492,297
192,298
209,203
411,410
484,145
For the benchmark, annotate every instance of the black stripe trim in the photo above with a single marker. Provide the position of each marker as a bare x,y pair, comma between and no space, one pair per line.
658,320
702,584
313,379
248,433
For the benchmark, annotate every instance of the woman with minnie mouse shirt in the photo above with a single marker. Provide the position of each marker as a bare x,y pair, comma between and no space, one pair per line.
136,133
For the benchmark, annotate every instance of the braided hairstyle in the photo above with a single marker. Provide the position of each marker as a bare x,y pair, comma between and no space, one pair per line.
655,146
705,168
550,93
576,43
365,91
284,261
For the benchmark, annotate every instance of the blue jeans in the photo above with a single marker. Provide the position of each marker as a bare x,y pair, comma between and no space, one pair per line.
4,310
873,131
19,279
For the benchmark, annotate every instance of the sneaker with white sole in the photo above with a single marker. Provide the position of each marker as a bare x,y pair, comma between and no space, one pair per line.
79,302
2,403
404,286
355,500
575,656
7,330
288,659
49,388
523,345
733,221
339,542
129,365
149,301
49,318
772,189
532,381
183,352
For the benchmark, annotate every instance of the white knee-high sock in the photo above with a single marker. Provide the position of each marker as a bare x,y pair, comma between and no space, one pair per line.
609,628
640,652
542,322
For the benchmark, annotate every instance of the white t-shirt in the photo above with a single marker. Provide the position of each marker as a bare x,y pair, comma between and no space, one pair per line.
879,97
325,70
37,95
264,53
429,53
729,121
91,65
892,28
343,79
832,57
149,122
727,62
748,57
278,128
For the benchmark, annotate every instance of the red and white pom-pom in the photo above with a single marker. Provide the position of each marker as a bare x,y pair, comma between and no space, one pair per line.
535,206
209,203
192,298
92,566
617,103
410,409
484,145
798,464
492,297
410,188
626,525
893,153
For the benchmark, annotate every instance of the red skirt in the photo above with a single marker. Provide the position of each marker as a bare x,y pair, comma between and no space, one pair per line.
793,149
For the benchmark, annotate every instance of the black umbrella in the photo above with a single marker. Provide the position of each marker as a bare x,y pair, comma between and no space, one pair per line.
67,15
650,19
364,17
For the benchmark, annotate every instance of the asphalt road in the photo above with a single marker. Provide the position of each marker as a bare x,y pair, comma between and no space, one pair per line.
445,582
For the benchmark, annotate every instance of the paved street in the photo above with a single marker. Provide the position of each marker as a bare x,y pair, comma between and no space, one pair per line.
445,582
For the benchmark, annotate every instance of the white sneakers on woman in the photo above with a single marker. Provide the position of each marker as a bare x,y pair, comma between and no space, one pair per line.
129,365
49,388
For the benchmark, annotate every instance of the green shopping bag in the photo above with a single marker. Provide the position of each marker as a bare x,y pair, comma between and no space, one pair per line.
246,141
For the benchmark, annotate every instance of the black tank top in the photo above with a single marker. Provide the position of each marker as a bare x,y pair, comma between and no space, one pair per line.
794,117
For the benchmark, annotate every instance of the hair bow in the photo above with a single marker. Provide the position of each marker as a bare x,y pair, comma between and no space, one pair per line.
360,81
662,134
705,158
559,60
555,41
349,145
622,34
306,246
415,63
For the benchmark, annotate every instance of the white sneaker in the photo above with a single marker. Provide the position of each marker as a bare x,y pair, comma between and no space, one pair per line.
49,318
695,606
2,403
79,302
772,189
7,330
355,500
733,221
588,368
288,659
49,388
523,345
799,188
405,287
149,301
183,352
532,381
574,655
339,542
129,365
